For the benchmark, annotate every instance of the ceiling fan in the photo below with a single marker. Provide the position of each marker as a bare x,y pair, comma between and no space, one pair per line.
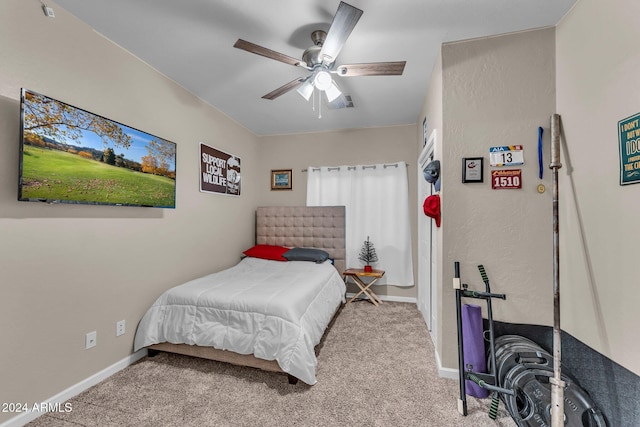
320,59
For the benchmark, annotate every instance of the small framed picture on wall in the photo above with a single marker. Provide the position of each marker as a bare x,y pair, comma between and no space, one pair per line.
424,131
472,169
282,179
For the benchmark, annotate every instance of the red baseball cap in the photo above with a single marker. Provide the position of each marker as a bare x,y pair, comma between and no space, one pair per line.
431,208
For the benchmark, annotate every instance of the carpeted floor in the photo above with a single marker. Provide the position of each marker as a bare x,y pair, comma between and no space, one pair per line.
376,367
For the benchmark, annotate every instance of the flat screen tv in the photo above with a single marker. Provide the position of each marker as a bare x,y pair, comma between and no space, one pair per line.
69,155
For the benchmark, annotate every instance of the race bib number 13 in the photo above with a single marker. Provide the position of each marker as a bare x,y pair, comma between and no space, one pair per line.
508,155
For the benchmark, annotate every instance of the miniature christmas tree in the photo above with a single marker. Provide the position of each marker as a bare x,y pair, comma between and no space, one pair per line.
368,254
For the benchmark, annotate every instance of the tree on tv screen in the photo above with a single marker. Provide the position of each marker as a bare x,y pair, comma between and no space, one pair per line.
63,122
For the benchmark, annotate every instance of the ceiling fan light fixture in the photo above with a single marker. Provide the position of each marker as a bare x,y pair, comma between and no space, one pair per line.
332,92
322,80
306,89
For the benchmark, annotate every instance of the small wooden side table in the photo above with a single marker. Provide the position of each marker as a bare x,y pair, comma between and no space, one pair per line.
365,288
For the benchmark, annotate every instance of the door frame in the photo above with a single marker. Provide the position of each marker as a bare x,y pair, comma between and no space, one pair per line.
427,274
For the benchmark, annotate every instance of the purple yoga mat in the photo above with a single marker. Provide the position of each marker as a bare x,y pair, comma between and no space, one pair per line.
473,341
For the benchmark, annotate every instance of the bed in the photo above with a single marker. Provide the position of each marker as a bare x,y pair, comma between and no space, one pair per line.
263,313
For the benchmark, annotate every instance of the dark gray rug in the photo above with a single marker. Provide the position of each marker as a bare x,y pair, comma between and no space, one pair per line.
376,368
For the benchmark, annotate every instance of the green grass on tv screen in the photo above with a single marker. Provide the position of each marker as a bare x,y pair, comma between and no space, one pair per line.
57,175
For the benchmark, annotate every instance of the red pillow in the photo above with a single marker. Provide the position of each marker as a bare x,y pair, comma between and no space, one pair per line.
267,252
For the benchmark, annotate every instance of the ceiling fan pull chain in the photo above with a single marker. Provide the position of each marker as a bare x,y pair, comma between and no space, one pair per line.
319,105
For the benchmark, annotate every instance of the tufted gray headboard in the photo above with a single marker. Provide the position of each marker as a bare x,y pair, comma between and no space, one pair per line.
319,227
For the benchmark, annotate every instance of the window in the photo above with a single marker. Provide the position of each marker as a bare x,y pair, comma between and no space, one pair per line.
376,198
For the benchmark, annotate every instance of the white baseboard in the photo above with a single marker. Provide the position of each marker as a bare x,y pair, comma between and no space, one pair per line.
449,373
387,298
74,390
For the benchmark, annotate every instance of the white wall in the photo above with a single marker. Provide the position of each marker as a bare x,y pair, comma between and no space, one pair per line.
598,59
66,270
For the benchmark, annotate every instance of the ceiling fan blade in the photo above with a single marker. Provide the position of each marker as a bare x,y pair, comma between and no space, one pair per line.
344,21
268,53
285,88
372,69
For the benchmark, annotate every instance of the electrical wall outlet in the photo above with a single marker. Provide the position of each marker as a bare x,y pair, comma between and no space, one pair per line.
120,328
91,340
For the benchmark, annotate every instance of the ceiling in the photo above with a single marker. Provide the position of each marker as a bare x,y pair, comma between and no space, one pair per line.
191,42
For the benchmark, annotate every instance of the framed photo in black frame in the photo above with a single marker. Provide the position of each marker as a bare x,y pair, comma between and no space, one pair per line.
472,169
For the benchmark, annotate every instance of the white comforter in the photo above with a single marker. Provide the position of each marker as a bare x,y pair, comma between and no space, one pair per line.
271,309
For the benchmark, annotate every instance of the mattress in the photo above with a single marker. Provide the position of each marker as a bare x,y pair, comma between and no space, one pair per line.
274,310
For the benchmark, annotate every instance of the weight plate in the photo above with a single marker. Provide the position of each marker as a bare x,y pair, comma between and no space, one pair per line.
517,346
504,339
511,375
528,359
506,345
531,405
509,347
533,360
511,351
518,405
527,407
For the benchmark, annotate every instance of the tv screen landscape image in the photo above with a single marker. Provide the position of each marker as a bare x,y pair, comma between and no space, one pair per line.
69,155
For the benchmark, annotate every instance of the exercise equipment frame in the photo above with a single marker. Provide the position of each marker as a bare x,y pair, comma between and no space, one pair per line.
489,380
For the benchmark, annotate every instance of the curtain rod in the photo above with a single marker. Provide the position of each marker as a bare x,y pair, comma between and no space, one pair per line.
386,165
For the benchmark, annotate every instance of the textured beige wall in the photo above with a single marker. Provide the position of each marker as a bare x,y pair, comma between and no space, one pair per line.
496,92
347,147
66,270
598,59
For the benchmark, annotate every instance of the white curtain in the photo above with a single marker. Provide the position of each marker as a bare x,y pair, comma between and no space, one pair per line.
377,205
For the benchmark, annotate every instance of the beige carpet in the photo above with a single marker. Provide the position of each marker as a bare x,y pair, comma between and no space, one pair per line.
376,368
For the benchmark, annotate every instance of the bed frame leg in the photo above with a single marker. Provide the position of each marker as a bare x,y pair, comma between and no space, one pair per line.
152,353
292,380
